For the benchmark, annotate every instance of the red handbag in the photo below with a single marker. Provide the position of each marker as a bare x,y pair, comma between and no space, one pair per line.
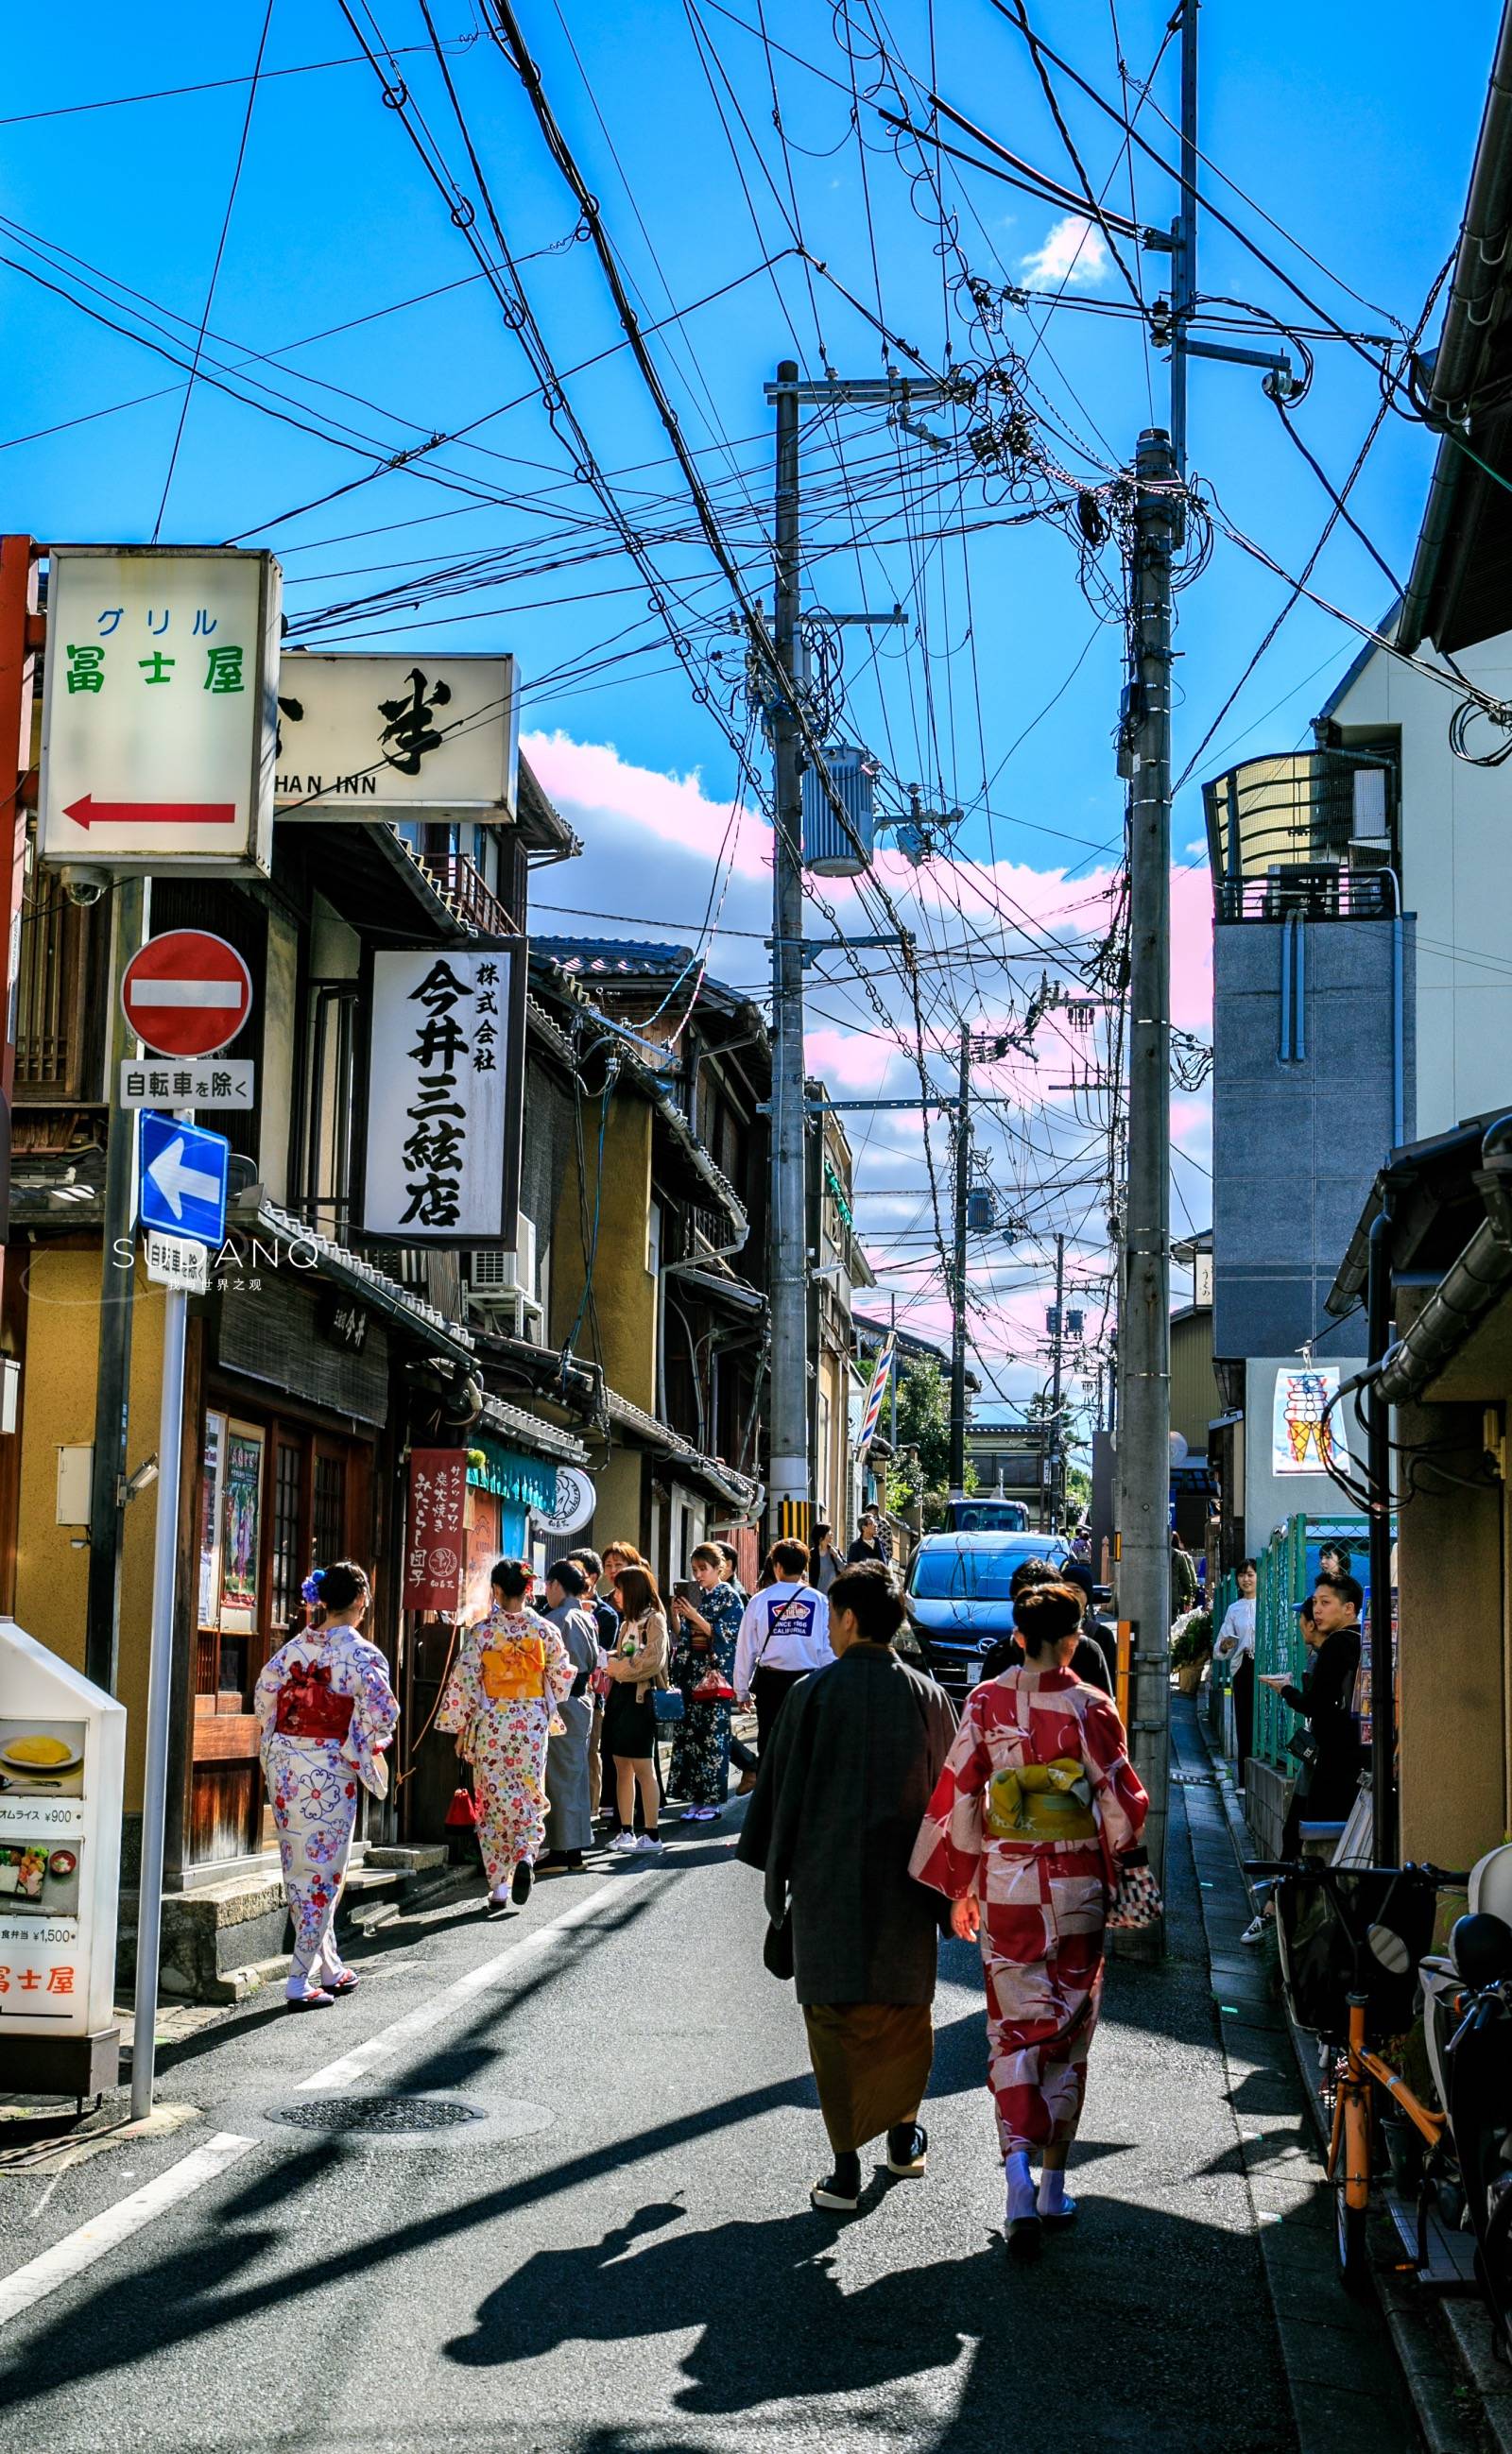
713,1688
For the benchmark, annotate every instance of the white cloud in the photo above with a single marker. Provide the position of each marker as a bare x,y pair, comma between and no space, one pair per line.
1072,252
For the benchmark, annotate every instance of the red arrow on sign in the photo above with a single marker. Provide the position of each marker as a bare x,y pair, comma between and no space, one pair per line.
91,813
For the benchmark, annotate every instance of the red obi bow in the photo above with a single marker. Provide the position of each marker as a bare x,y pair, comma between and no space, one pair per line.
307,1708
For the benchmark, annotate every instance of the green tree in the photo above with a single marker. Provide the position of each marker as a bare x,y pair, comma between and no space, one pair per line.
923,1422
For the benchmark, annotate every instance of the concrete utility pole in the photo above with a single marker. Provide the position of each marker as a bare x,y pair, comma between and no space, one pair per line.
112,1375
1145,1332
958,1330
1057,1354
788,1471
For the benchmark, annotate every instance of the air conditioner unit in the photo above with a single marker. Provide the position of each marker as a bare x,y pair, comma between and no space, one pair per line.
501,1286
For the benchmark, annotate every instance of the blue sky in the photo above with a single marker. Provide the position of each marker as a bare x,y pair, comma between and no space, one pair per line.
1352,129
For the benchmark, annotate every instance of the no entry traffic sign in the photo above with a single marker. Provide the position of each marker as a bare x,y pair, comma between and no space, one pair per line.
187,994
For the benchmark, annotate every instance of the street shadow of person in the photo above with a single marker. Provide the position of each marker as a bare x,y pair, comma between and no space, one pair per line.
773,2323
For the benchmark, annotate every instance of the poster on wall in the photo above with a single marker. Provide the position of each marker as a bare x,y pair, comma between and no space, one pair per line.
1302,1441
241,1527
436,1530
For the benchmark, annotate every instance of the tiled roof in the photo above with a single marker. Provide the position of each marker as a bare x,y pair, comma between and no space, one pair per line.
615,957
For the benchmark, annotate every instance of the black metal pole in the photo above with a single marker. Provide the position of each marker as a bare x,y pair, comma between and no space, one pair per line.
1377,1474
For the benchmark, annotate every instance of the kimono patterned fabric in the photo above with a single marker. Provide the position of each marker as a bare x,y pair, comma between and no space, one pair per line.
700,1745
1043,1902
312,1782
501,1699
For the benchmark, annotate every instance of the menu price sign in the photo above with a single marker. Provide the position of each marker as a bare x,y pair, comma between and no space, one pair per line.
62,1752
435,1531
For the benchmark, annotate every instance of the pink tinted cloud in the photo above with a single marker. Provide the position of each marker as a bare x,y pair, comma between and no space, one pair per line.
590,781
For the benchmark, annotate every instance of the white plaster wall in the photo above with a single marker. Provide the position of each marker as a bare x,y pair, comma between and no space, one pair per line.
1457,877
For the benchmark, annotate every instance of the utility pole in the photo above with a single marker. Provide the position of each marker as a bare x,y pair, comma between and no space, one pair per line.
1145,1332
892,1386
957,1333
1183,237
1057,1354
112,1375
788,1470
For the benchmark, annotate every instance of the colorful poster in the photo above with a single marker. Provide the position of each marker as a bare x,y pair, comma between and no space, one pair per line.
1302,1441
241,1527
436,1533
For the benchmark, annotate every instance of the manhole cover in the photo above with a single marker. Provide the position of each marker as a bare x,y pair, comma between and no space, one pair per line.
370,2113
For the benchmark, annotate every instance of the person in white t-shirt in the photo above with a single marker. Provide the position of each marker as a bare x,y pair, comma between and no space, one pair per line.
1235,1642
784,1634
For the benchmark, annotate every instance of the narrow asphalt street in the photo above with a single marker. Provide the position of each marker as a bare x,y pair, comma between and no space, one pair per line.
617,2255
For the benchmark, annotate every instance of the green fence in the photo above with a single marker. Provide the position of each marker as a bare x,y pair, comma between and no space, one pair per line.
1288,1569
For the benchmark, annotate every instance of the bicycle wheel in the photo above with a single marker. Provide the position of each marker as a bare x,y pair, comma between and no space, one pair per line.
1350,2240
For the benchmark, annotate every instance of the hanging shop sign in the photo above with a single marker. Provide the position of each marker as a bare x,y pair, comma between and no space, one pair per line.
62,1760
1301,1443
436,1530
573,1505
157,713
445,1090
397,736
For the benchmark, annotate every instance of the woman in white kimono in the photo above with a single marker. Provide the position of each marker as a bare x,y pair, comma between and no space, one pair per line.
327,1712
501,1701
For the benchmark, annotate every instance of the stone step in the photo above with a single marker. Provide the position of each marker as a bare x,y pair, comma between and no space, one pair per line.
221,1940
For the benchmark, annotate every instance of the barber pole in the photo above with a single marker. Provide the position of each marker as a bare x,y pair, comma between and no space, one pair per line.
874,1396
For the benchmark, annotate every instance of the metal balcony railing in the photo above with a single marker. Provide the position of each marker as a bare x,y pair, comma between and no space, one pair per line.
1312,894
465,887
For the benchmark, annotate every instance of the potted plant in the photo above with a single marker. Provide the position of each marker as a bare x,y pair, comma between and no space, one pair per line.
1191,1648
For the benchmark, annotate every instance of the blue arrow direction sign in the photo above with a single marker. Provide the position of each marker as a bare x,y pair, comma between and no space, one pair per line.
182,1184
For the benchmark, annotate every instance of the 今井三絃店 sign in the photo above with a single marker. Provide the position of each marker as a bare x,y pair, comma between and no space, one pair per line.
445,1075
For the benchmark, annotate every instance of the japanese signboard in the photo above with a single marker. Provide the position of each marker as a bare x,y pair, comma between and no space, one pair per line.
436,1533
63,1753
445,1075
177,1261
397,736
158,718
215,1082
1301,1443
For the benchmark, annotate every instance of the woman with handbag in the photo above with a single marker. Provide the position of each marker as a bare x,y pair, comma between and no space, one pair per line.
702,1659
1033,1821
501,1701
635,1670
327,1712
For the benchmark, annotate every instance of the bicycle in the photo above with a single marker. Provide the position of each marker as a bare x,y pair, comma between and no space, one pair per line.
1351,1939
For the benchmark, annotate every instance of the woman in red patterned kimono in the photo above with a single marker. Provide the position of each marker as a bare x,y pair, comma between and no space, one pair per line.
1037,1804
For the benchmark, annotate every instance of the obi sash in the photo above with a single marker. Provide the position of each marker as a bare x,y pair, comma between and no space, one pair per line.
514,1672
1039,1802
309,1709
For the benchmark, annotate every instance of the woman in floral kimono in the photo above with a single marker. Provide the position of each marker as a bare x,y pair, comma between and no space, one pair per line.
500,1699
327,1712
705,1640
1035,1806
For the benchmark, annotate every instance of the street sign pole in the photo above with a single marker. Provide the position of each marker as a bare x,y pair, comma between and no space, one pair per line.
159,1702
181,1187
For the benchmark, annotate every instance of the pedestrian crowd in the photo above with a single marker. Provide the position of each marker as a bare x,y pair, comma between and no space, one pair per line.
879,1821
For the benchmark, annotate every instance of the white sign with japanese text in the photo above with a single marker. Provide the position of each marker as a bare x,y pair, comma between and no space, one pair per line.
177,1261
382,737
62,1757
157,716
444,1094
203,1082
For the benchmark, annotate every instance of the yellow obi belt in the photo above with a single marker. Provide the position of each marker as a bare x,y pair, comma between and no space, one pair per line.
514,1673
1049,1802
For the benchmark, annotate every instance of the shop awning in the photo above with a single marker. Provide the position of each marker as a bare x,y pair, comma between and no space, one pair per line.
738,1491
507,1429
347,1269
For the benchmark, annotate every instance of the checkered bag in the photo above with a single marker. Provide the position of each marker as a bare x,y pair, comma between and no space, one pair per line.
1137,1900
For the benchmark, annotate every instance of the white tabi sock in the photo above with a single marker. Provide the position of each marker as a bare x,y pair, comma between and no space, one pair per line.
1021,2185
1052,2192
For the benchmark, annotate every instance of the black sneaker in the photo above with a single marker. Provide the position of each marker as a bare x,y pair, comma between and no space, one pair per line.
520,1887
840,2190
908,2151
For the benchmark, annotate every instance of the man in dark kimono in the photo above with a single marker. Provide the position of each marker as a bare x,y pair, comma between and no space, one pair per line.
842,1788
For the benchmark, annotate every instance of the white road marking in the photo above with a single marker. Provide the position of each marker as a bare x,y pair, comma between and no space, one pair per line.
80,2250
430,2014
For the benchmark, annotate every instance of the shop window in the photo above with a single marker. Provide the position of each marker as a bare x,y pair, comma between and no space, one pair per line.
331,1507
287,1566
330,1108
